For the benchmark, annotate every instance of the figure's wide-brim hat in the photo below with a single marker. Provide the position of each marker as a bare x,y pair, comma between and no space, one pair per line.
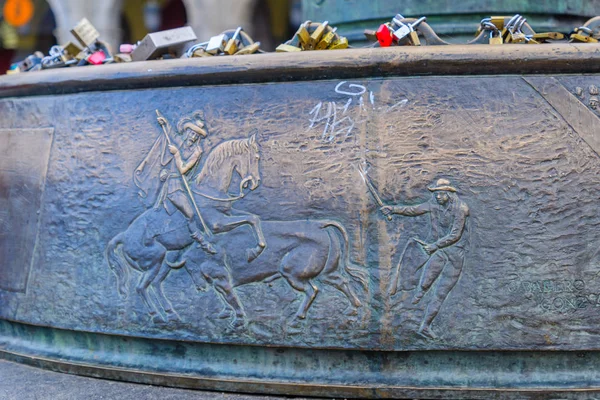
442,184
195,128
187,123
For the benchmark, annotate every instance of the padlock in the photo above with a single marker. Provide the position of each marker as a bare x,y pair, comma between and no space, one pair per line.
548,36
82,55
498,22
371,35
395,24
495,37
327,40
70,51
303,35
233,43
127,48
384,36
340,44
200,52
413,37
32,62
85,33
96,58
317,34
286,48
517,37
577,37
122,57
401,32
217,44
154,45
14,69
250,49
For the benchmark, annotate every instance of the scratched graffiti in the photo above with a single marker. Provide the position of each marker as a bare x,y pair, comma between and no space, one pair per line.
338,119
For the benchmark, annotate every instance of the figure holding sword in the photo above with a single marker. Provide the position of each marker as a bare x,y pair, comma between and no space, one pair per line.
445,248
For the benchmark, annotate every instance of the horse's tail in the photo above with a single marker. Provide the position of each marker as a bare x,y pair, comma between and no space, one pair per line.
118,263
357,272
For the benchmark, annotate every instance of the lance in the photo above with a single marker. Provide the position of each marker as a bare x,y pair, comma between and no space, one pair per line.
185,182
371,188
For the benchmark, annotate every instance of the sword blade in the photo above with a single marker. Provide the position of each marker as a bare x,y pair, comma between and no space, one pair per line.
370,186
372,189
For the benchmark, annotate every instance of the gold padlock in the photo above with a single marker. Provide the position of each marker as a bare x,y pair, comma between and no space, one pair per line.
498,22
548,36
85,33
201,53
517,37
232,44
122,58
496,39
576,37
303,35
413,37
317,34
70,51
286,48
341,43
250,49
327,40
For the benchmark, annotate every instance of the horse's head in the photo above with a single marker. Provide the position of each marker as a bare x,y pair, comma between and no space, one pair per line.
248,165
239,155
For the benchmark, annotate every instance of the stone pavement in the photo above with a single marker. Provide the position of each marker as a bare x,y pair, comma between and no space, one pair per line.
22,382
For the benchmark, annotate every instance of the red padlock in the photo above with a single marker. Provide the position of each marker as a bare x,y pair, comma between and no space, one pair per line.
96,58
384,36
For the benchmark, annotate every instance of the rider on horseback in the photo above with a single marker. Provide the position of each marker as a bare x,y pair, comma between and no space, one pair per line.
186,157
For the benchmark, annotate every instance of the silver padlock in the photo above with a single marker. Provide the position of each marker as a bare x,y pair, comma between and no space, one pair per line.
217,44
154,45
402,32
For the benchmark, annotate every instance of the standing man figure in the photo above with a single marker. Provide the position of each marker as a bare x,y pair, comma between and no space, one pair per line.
446,246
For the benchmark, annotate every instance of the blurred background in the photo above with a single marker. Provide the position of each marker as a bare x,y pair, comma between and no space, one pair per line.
30,25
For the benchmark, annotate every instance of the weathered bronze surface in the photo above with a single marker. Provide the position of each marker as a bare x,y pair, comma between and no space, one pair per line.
362,223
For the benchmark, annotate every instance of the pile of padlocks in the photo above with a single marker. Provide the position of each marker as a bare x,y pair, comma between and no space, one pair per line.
314,36
183,43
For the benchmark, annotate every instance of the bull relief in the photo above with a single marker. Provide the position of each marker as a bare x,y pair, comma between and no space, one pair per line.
193,225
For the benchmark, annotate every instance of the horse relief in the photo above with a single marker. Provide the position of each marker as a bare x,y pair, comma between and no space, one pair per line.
193,225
